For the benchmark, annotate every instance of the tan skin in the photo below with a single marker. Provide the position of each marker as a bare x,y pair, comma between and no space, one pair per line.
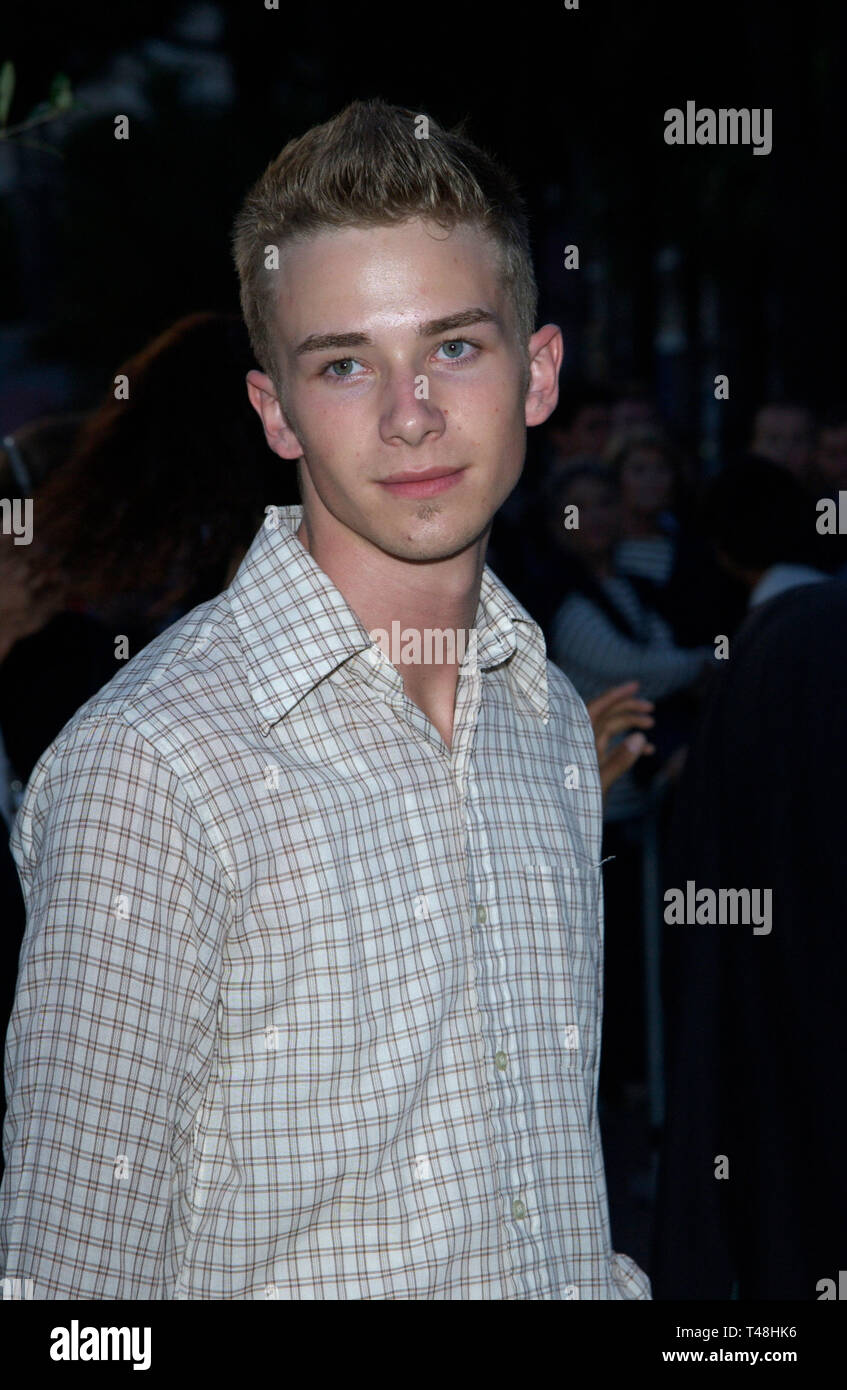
610,713
354,419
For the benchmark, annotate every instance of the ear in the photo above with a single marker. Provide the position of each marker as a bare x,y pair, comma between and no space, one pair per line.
279,434
546,351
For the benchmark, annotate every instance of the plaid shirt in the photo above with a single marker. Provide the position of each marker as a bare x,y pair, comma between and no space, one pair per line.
308,1004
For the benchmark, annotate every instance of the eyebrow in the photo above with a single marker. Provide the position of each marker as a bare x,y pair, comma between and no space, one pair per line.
321,342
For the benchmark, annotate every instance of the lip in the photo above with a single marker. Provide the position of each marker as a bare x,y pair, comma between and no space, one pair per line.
427,483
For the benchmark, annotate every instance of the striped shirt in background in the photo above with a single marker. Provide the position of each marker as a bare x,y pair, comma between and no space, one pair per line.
647,557
595,655
309,1005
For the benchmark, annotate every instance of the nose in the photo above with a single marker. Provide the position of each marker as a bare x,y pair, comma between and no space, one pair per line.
409,414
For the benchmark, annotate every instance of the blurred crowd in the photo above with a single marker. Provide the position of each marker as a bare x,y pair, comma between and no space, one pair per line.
711,613
646,580
638,570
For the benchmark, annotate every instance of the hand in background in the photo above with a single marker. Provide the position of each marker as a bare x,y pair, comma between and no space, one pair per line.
610,713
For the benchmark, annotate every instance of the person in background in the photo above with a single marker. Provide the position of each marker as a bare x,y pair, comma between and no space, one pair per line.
641,460
829,478
520,549
784,433
752,1202
633,408
762,521
145,518
655,545
581,422
135,526
135,521
605,632
619,711
830,467
29,454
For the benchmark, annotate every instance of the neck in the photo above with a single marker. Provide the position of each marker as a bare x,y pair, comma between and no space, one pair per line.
413,600
382,588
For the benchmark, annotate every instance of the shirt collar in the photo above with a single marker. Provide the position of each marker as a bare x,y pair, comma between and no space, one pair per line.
296,627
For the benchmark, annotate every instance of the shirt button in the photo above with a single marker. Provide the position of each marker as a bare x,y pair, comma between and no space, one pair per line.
481,916
502,1060
518,1209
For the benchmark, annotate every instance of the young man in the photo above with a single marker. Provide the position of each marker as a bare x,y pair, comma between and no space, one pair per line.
309,999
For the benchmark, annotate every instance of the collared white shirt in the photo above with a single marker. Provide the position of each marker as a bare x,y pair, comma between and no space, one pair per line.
308,1004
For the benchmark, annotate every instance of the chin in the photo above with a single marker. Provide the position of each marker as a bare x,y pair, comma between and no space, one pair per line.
430,547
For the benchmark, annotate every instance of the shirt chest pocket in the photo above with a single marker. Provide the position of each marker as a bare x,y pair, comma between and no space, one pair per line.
562,971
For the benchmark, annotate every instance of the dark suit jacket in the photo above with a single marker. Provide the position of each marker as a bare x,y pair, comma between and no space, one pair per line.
755,1023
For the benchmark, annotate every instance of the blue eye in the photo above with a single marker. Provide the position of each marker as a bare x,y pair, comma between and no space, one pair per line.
329,372
340,362
462,342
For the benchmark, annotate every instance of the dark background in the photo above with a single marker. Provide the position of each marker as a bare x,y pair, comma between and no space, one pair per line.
694,260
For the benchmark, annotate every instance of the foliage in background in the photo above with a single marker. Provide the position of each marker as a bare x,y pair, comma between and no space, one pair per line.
58,103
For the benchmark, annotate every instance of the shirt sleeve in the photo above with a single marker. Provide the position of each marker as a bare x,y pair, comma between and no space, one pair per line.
585,643
111,1034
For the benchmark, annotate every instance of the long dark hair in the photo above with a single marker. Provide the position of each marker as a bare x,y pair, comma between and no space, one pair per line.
164,487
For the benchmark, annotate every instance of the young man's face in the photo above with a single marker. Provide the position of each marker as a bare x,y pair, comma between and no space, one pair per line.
445,401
